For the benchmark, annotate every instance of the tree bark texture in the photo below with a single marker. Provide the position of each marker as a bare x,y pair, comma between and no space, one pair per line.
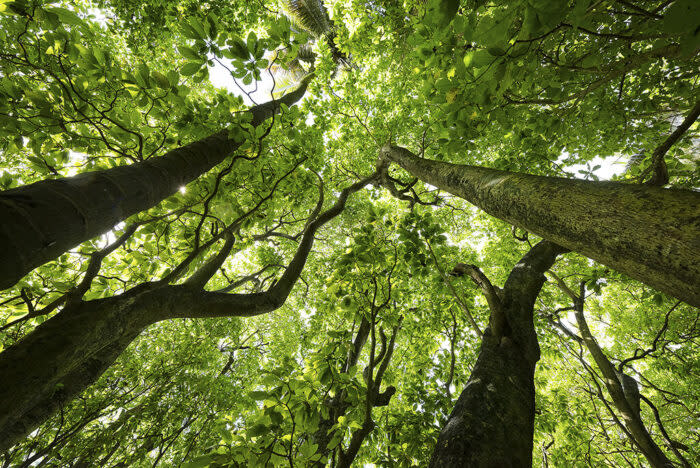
67,353
492,423
41,221
650,233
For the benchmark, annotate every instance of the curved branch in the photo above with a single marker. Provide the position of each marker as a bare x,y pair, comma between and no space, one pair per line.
200,277
614,385
216,304
456,295
498,319
672,444
658,164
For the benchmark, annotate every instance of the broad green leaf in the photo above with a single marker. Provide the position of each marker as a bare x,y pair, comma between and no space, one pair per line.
190,68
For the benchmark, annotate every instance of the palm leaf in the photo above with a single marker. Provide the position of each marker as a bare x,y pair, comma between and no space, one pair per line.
309,15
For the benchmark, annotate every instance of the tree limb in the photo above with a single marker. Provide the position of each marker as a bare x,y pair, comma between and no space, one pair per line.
454,292
658,163
498,320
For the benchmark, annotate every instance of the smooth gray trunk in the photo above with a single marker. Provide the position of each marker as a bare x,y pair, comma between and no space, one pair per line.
41,221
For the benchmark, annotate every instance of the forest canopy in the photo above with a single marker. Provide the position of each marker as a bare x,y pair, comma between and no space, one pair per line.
349,233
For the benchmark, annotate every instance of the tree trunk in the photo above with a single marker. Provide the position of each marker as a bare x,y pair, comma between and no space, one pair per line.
67,353
492,423
41,221
648,233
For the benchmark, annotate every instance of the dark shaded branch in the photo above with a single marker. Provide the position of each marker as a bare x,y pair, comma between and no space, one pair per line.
672,444
658,163
215,304
389,353
252,277
357,344
76,293
498,320
374,399
654,343
180,269
96,263
200,277
622,388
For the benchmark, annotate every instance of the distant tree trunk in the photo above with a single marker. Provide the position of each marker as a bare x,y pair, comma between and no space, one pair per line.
622,388
41,221
648,233
492,423
67,353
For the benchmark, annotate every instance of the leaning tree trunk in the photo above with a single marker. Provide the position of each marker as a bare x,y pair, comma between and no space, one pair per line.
648,233
627,405
67,353
45,219
492,423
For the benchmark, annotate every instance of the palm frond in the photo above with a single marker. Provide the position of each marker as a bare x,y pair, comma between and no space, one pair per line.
290,71
309,15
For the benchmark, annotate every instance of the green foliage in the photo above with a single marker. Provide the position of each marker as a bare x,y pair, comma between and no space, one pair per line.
559,88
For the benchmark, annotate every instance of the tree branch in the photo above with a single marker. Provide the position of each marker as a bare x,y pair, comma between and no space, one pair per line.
216,304
498,321
200,277
455,294
658,163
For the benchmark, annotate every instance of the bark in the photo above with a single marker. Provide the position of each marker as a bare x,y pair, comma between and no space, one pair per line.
374,399
649,233
492,423
41,221
337,406
67,353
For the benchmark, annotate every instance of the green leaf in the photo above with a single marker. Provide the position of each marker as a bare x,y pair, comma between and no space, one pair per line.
66,16
492,30
496,51
161,80
441,12
189,53
143,74
190,68
258,430
199,462
276,417
238,48
197,27
258,395
252,42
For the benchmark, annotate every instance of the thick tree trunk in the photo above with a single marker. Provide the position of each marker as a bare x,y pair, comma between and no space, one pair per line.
45,219
67,353
62,357
648,233
492,422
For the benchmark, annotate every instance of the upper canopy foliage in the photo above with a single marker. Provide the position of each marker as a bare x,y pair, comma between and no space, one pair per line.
586,89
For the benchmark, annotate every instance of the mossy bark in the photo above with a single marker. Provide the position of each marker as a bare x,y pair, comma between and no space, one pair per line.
41,221
649,233
492,423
